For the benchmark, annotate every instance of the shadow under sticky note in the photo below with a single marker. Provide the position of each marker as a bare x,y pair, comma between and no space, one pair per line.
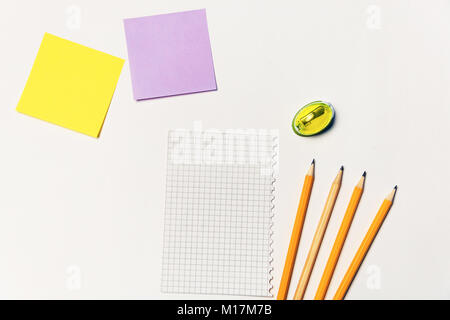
70,85
170,54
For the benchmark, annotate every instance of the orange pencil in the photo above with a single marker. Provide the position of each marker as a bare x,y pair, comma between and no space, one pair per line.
364,247
318,237
340,239
296,233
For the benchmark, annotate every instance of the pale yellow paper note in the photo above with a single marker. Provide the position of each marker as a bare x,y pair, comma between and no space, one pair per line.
70,85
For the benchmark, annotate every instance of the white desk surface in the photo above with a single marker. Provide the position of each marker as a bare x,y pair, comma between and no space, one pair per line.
83,217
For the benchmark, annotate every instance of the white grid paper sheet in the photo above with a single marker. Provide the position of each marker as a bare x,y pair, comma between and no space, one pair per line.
218,212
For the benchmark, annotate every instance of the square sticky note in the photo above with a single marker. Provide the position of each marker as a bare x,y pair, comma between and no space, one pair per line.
170,54
70,85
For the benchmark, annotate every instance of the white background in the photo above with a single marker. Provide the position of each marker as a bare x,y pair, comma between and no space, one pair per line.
83,217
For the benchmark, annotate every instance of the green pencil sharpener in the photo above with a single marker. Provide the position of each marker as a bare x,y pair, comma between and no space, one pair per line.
314,118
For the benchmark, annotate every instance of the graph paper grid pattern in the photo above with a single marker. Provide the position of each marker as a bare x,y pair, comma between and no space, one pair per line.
218,213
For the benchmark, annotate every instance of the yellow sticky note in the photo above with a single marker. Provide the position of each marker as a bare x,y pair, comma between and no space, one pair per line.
70,85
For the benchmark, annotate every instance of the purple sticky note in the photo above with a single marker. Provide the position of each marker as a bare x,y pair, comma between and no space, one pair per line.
170,54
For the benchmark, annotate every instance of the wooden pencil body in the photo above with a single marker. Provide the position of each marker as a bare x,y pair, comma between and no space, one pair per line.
318,237
339,242
362,250
295,238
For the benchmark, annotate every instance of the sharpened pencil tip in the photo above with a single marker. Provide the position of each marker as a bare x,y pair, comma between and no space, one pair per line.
364,174
391,195
342,168
314,161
